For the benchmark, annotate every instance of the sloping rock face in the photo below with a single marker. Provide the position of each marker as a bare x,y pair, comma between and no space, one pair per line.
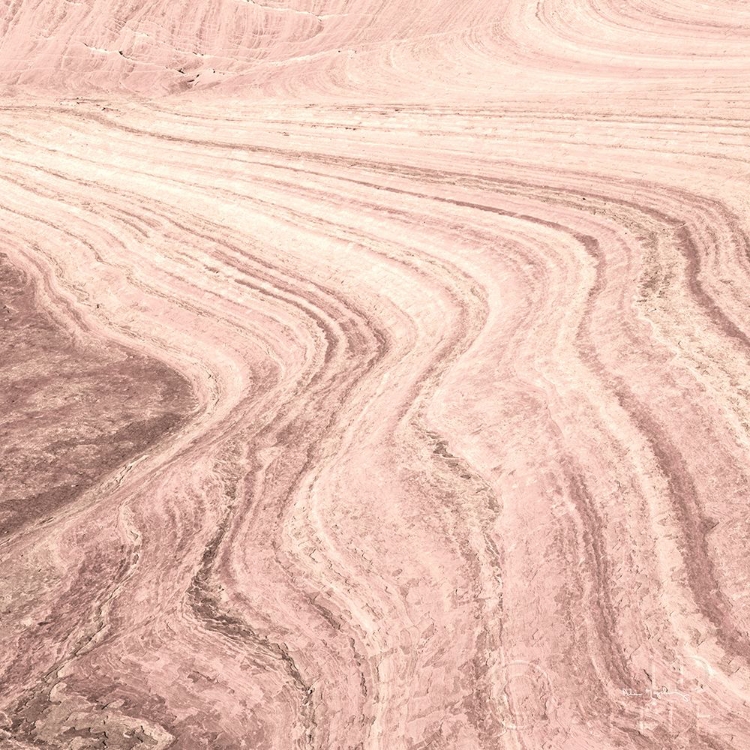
374,376
71,413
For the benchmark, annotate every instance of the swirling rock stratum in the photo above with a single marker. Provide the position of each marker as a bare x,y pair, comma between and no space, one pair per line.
375,375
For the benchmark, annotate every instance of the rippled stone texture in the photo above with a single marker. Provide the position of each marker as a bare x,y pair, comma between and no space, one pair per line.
71,413
375,375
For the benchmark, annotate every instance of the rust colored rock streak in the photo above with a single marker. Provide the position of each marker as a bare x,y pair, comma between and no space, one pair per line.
374,375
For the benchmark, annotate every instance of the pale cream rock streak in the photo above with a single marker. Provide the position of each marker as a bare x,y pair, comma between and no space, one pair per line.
446,305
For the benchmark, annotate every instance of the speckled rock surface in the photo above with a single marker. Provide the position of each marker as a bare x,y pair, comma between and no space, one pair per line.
374,376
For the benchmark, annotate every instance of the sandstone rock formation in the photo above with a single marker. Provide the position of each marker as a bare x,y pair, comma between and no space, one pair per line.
375,376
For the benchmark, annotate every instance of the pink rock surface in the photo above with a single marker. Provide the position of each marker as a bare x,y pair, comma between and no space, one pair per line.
375,375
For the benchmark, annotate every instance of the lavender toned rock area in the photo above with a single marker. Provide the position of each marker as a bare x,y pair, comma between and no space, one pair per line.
375,375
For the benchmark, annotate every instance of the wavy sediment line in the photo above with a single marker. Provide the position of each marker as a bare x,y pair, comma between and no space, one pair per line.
374,375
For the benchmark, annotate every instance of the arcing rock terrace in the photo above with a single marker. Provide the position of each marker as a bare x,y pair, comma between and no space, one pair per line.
374,375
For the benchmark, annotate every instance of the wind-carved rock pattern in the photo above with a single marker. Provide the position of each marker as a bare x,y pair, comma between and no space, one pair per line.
375,375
